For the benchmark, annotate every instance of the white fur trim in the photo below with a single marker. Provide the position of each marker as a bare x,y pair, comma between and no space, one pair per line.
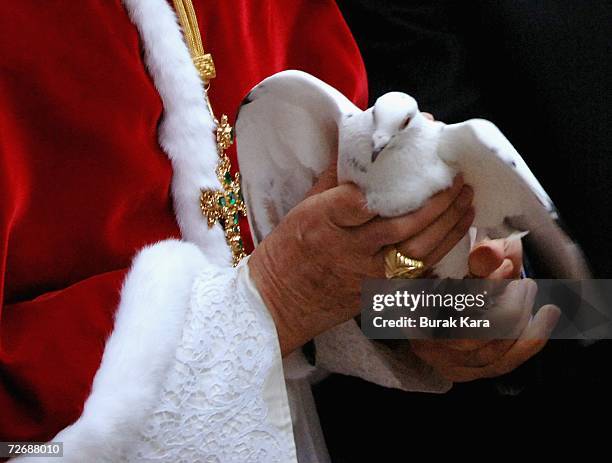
148,327
186,132
155,295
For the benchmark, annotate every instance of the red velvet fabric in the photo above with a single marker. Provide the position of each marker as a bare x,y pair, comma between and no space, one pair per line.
84,183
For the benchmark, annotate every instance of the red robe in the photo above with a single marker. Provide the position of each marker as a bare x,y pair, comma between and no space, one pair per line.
84,183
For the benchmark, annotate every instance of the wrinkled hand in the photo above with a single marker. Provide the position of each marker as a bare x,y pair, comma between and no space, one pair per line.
466,360
309,270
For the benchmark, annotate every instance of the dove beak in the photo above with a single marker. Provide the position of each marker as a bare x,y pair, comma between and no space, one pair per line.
376,152
379,144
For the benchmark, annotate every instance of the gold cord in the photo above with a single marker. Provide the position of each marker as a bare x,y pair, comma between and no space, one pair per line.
191,31
226,205
189,22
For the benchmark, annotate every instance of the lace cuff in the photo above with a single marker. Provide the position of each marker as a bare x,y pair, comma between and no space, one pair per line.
224,398
191,372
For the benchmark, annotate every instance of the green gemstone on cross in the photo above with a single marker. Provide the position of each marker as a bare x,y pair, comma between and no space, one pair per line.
235,218
240,245
227,178
232,199
222,202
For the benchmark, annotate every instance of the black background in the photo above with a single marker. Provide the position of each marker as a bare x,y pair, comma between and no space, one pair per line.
539,70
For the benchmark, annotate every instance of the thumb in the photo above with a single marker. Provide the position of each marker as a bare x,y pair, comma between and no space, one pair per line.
328,179
486,257
345,205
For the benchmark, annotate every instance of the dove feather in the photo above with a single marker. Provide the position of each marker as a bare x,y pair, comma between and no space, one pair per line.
290,127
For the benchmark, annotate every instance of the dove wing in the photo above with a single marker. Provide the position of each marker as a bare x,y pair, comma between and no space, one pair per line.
286,135
508,197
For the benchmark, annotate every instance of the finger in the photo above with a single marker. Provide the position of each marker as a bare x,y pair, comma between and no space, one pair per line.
513,316
486,257
430,238
531,342
514,252
447,360
461,374
504,271
512,263
326,180
497,259
512,310
509,315
489,353
466,345
345,205
450,240
515,311
495,349
428,116
384,231
437,353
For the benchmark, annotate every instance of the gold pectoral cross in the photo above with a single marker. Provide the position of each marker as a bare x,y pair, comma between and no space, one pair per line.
226,205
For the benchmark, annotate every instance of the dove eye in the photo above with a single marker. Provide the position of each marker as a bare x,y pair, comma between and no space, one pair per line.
405,123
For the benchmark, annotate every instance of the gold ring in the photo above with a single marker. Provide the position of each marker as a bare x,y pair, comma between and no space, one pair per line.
397,265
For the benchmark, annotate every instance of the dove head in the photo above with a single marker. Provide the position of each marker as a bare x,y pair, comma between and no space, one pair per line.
393,113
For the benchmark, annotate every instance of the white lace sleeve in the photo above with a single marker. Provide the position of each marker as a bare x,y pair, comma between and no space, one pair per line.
344,349
224,399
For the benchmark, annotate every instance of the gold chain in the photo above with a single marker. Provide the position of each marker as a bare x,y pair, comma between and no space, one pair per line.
226,205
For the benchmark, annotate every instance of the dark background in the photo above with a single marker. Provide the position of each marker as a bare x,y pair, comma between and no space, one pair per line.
539,70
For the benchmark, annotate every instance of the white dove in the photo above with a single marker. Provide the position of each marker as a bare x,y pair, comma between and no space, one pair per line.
291,125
